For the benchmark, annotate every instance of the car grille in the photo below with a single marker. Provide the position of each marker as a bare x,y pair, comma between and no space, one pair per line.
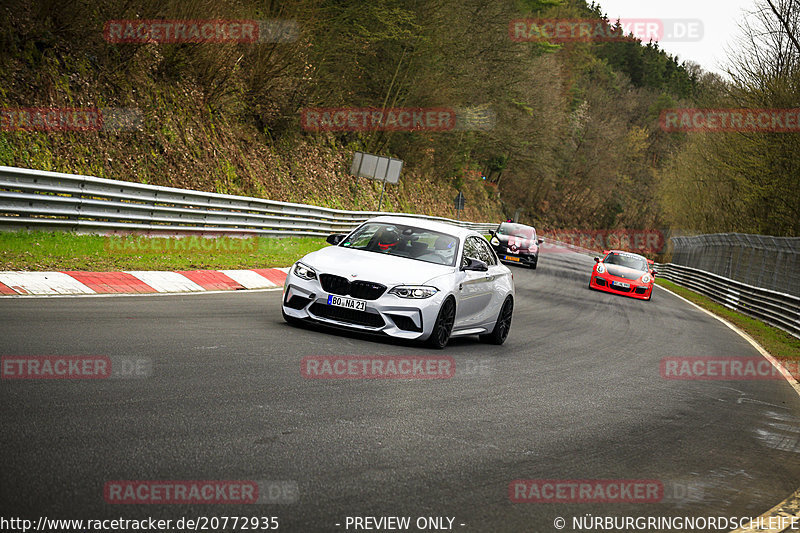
297,302
641,290
351,316
600,281
519,251
364,290
620,289
405,322
335,284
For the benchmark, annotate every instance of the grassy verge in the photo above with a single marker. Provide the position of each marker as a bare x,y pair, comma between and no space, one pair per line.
38,251
776,341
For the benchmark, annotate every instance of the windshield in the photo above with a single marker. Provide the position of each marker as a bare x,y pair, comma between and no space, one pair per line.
405,241
627,260
517,230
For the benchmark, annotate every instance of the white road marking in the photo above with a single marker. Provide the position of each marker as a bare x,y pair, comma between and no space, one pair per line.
166,281
44,283
249,279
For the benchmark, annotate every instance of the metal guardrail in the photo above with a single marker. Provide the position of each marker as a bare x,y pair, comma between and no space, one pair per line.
35,199
779,309
760,260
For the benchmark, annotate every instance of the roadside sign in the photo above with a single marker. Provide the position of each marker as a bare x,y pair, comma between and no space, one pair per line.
377,167
460,201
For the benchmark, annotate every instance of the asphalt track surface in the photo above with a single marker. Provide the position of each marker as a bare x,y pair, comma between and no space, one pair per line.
575,393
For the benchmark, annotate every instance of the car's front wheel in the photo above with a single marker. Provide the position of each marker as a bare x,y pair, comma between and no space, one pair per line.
503,325
444,325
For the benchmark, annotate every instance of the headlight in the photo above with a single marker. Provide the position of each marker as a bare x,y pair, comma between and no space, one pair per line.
304,271
495,241
647,278
601,269
414,291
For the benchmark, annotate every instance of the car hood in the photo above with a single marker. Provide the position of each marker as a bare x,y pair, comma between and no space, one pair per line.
624,272
371,266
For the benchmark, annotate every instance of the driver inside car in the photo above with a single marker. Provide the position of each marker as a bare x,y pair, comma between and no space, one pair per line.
388,239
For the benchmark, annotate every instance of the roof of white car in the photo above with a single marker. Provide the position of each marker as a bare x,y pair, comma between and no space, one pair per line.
424,223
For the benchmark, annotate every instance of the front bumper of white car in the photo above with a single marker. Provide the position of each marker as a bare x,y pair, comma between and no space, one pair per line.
388,314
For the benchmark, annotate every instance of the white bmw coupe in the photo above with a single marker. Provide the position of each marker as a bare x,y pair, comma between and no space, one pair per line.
404,277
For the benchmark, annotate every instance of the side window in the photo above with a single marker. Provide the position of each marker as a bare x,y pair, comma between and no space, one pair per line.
478,248
471,251
488,253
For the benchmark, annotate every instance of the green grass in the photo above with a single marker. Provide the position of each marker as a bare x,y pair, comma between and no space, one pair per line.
38,251
777,342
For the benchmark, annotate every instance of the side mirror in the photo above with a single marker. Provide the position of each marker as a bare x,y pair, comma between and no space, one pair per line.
654,272
475,264
493,233
596,259
541,241
335,238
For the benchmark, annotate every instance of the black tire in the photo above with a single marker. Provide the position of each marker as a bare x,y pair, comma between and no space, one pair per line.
534,264
503,325
292,321
444,325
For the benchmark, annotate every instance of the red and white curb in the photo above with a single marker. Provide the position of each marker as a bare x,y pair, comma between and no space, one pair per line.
138,281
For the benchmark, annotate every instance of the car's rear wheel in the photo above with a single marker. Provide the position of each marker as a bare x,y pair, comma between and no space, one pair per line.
444,325
503,325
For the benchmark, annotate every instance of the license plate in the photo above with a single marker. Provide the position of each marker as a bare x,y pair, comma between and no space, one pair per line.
620,285
509,258
348,303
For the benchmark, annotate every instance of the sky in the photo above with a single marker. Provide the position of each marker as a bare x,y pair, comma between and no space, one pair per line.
719,19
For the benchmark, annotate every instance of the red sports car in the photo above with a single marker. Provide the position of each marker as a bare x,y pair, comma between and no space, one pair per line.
623,273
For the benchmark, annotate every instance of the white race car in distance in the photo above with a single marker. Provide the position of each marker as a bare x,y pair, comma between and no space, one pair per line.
404,277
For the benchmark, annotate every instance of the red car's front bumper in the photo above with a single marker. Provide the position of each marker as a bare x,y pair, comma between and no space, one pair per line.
636,289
